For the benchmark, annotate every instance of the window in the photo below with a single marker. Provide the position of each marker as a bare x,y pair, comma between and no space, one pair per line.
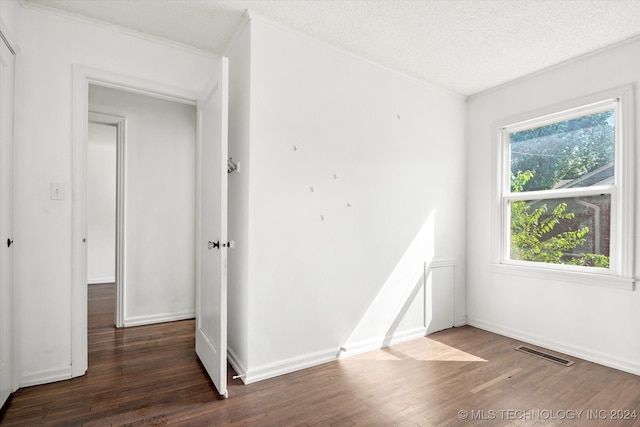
565,181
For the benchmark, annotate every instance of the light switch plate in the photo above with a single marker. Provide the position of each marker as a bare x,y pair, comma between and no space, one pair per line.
57,191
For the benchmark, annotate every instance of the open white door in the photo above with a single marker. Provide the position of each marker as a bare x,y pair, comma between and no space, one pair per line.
211,229
6,220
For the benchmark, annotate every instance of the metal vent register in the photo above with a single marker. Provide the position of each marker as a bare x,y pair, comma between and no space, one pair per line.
550,357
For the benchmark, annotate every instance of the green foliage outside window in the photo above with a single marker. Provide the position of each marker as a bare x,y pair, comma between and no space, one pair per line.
532,232
549,157
563,151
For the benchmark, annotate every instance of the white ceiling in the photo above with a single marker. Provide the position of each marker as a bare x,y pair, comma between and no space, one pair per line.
465,46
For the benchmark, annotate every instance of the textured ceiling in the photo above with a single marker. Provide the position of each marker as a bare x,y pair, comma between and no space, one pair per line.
465,46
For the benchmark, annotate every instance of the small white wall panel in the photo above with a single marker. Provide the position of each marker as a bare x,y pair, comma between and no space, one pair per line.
439,298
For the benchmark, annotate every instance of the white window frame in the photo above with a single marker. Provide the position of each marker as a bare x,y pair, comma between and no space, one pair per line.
620,273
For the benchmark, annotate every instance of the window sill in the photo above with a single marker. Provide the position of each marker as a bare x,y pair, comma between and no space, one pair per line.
597,279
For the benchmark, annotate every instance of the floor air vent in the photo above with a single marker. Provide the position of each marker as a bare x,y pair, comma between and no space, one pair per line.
551,357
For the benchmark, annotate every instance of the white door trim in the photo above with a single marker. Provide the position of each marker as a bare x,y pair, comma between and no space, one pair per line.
82,77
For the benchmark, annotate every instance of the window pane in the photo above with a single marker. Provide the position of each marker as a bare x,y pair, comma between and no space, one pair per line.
571,231
568,154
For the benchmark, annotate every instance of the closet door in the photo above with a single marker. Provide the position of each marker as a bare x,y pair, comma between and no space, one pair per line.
6,220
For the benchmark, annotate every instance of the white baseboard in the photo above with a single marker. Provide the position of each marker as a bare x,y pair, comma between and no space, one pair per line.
321,357
237,365
287,366
101,280
44,376
381,342
158,318
600,358
460,321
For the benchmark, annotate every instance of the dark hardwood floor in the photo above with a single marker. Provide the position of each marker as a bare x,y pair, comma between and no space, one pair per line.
150,376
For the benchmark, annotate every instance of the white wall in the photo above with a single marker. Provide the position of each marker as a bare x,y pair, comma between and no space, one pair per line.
101,203
588,321
159,282
51,45
357,179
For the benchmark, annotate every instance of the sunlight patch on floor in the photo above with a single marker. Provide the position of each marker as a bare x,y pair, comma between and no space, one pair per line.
424,349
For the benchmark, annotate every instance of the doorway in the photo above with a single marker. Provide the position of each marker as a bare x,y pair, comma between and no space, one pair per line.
151,203
102,225
208,206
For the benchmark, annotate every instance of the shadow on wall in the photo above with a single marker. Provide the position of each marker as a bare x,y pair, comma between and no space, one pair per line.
416,299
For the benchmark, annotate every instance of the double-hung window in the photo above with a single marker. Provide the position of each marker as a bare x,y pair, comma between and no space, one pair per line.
565,181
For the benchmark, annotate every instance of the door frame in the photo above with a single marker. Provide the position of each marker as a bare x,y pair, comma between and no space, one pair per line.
82,77
120,123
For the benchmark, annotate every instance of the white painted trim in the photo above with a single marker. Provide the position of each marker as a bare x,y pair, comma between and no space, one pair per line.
437,263
235,362
43,8
136,85
460,321
121,229
561,193
543,271
79,291
309,360
82,77
631,366
287,366
415,80
29,378
158,318
101,280
105,119
382,342
626,171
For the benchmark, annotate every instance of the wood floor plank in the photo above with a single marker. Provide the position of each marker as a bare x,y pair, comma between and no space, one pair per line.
496,380
150,376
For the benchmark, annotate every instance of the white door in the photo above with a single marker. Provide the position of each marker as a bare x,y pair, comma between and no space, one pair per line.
211,230
6,223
